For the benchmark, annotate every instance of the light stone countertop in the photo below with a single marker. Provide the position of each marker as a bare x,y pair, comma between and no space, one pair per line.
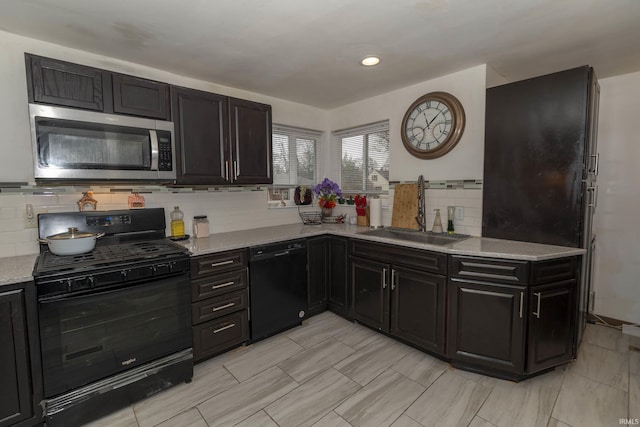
474,246
20,268
17,269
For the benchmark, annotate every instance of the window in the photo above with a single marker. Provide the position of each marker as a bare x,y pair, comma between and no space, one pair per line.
365,158
294,159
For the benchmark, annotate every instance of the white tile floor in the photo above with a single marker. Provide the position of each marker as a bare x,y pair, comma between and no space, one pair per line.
331,372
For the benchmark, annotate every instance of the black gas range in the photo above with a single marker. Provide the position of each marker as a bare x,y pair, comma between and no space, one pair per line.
115,322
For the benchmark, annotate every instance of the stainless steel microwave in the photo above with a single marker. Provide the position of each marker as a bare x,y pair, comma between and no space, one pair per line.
81,145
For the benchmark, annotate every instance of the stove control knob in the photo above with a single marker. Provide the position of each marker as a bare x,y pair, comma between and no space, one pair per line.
123,274
91,281
69,285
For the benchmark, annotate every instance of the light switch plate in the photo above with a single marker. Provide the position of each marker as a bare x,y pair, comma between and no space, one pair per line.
459,213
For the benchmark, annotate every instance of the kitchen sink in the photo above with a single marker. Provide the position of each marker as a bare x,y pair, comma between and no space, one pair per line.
416,236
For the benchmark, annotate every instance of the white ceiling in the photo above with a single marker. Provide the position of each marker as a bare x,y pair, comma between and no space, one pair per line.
309,51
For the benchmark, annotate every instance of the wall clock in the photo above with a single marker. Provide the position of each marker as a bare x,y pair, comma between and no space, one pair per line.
433,125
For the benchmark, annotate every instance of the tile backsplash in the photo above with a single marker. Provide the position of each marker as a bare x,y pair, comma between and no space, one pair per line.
227,211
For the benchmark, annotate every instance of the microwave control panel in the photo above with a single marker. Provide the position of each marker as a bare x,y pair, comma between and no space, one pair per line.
165,157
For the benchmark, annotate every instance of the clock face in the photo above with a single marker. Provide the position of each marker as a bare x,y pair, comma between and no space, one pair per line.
428,124
433,125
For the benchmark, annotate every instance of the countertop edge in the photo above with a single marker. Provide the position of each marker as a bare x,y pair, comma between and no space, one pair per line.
20,268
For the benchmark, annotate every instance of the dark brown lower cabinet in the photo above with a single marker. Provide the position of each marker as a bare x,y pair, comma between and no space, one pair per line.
318,261
418,304
220,302
339,285
552,324
370,295
405,302
20,383
512,318
487,325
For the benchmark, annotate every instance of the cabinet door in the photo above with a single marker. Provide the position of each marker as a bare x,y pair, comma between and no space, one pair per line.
370,292
552,319
318,262
201,135
487,325
250,142
63,83
15,374
418,307
339,284
140,97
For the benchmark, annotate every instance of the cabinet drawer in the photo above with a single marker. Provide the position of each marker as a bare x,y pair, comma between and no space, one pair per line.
486,269
400,255
213,308
208,287
217,263
554,270
220,334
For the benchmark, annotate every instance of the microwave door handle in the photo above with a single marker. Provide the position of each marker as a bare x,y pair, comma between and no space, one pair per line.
153,135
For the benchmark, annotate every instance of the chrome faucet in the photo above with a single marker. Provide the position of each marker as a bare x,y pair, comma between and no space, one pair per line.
420,219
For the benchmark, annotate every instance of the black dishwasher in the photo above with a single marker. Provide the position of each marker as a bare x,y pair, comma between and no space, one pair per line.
277,287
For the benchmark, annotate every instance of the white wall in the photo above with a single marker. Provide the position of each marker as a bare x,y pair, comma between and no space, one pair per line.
465,161
617,260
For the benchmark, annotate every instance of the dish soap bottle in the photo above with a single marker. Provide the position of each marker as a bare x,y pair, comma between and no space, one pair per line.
437,223
177,223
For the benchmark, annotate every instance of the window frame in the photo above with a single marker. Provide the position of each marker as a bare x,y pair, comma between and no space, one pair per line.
294,134
365,131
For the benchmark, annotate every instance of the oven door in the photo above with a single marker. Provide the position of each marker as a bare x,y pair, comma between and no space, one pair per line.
88,337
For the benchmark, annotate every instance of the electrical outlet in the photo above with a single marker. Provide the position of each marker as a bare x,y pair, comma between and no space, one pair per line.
31,215
459,213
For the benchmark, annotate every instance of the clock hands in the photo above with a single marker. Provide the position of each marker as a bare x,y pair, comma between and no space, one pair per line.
434,117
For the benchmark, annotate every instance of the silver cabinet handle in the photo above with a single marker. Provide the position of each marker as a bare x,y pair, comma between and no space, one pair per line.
384,277
222,307
223,285
596,163
521,303
153,135
224,328
537,312
236,170
594,198
226,170
393,279
218,264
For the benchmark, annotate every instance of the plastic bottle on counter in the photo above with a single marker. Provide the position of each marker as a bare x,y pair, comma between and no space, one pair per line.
177,222
200,226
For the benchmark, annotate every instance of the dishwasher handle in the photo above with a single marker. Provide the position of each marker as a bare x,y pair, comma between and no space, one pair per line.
275,251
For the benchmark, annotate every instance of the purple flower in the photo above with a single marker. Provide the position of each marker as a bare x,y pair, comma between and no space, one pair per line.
327,190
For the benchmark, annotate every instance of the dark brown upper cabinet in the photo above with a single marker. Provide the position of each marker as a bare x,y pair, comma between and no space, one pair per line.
51,81
140,97
221,140
201,133
250,142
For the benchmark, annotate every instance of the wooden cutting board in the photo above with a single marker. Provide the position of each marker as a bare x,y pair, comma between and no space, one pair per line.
405,206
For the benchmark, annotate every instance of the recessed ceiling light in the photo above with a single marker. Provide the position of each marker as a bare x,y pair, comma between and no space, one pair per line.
370,61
